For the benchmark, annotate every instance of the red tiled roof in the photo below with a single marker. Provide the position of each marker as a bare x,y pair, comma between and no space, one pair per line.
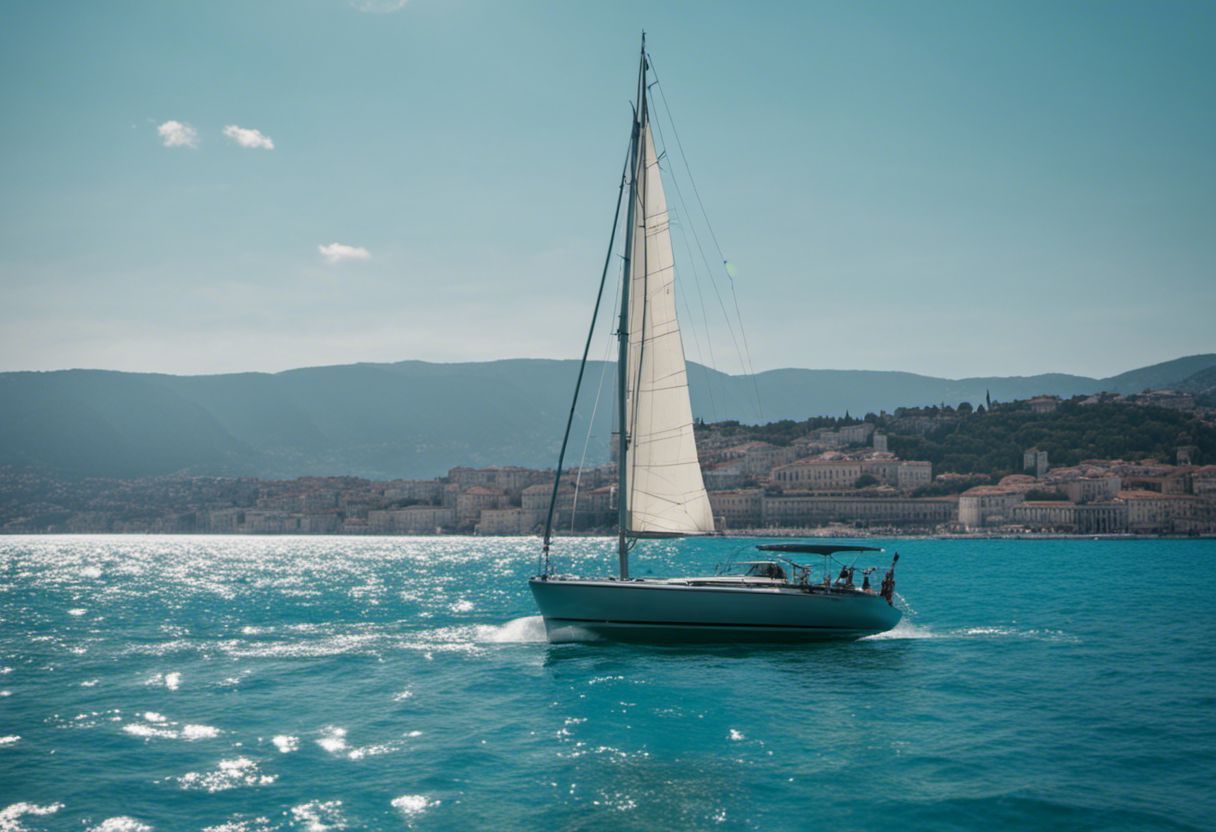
1152,495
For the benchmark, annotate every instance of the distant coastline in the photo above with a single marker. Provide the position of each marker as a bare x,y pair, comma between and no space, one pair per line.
1138,465
608,535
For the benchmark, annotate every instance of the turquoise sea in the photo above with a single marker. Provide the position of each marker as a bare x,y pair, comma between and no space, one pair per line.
188,683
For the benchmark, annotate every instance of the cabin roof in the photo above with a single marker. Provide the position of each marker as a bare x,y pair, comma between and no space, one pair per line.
814,548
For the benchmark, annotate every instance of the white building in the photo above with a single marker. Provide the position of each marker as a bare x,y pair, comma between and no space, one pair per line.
988,505
1092,489
741,509
809,510
507,521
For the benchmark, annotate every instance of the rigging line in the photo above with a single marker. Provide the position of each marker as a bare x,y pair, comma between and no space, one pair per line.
712,280
709,269
684,156
709,341
561,457
599,390
692,263
696,331
747,350
582,462
705,215
700,353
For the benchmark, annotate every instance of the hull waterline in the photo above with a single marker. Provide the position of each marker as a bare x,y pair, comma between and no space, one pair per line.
658,611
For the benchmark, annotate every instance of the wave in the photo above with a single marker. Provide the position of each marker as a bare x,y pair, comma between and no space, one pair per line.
527,630
229,774
122,823
10,816
907,629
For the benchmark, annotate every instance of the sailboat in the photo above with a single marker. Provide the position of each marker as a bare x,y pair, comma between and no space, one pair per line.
660,491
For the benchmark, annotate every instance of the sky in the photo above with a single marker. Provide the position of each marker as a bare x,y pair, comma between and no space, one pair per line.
949,188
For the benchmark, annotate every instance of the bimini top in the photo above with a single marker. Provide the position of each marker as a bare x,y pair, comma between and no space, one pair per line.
814,548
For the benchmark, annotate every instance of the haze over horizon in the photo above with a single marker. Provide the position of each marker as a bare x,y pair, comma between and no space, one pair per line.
506,359
941,189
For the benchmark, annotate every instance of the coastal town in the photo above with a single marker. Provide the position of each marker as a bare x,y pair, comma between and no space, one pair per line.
843,479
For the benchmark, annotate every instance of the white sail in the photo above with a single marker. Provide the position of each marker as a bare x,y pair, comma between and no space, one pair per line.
666,492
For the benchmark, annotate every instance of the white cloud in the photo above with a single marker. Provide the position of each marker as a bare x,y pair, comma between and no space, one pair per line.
378,6
245,137
178,134
337,252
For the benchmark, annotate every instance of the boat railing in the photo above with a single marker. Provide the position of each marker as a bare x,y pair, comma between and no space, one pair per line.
802,575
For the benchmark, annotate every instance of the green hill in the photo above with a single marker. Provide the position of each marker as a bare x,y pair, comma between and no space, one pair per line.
994,442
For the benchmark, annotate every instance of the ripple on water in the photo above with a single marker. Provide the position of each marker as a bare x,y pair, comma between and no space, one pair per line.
319,815
172,680
413,805
242,824
333,739
320,653
193,732
144,731
122,823
10,816
229,774
237,824
158,726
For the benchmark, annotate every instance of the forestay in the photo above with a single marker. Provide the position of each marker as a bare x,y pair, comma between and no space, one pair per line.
666,492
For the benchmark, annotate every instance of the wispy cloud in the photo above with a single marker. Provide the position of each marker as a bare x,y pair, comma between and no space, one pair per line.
245,137
177,134
337,252
378,6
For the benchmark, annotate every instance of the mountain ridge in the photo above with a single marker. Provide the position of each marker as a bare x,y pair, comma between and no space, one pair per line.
416,419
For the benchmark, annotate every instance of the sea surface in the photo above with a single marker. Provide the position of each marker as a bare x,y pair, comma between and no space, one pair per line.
250,684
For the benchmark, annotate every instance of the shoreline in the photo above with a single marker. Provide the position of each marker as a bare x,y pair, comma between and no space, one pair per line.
749,534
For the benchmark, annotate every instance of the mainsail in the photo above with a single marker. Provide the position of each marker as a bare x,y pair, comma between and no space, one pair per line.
666,494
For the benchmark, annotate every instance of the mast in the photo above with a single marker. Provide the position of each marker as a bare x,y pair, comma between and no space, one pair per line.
622,363
582,367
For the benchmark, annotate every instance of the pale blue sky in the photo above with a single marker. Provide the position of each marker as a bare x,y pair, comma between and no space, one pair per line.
954,188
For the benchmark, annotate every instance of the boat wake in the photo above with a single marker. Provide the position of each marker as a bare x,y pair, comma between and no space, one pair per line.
905,629
908,629
527,630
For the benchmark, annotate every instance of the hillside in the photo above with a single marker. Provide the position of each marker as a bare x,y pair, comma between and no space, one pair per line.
1202,385
416,419
994,442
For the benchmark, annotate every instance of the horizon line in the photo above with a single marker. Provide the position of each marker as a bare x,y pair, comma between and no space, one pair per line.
574,359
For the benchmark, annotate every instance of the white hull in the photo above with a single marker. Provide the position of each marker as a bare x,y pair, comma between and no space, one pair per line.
591,610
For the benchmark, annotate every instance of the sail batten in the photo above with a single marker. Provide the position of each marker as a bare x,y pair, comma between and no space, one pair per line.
666,494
